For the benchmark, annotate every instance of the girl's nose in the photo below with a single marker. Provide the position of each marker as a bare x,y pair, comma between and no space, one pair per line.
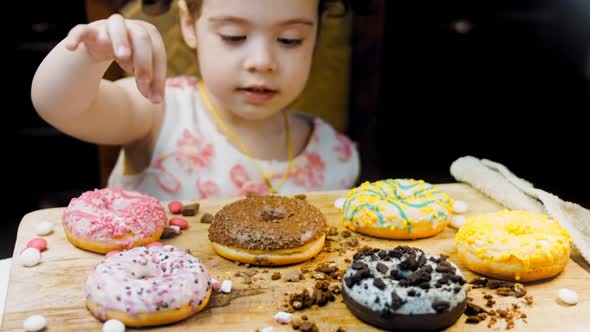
261,59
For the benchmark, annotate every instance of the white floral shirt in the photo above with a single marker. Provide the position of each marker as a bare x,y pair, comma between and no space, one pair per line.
192,160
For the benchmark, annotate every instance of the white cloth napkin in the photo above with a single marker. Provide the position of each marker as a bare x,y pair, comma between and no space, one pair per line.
496,181
4,272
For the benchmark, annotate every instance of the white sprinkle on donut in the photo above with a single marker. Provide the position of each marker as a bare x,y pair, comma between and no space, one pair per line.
113,325
458,221
459,207
30,257
568,296
283,317
267,329
339,202
44,228
34,323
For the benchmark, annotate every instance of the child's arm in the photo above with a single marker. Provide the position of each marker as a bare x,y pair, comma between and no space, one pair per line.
68,90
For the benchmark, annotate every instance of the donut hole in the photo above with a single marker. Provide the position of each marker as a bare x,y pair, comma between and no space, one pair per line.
271,214
142,274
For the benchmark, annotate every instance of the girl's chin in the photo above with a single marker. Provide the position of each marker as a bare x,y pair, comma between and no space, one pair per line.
254,112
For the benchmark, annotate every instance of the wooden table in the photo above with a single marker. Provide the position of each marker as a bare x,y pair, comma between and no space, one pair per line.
55,289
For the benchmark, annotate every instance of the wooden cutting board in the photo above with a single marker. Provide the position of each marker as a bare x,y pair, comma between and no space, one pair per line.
55,289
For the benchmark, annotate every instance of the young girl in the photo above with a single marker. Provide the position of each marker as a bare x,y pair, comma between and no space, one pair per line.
224,135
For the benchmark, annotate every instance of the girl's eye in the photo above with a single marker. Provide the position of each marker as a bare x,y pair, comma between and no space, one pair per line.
232,39
290,42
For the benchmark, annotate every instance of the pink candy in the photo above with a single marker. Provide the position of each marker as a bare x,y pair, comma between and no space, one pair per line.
155,244
38,243
180,222
215,284
175,207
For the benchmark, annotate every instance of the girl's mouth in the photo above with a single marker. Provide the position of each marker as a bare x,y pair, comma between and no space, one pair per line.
257,94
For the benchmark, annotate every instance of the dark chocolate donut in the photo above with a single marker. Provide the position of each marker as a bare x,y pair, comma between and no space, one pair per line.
404,289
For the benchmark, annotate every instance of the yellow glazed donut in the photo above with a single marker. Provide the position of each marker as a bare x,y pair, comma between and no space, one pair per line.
402,209
513,245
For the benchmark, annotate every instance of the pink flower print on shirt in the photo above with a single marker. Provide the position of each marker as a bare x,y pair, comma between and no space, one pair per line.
310,173
167,181
192,152
315,138
207,188
181,82
346,183
344,148
244,183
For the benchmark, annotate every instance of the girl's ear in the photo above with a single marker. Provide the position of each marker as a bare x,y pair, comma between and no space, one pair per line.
187,25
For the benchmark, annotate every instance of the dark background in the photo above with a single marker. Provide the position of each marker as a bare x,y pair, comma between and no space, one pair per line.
503,80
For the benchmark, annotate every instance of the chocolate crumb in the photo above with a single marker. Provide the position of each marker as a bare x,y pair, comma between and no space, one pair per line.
332,231
335,289
189,210
382,268
353,242
473,309
492,322
472,320
378,282
292,275
295,322
170,232
321,295
207,218
495,284
346,234
319,276
308,326
479,283
327,268
249,273
276,276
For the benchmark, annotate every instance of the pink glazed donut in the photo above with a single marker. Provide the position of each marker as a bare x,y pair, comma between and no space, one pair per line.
110,219
147,286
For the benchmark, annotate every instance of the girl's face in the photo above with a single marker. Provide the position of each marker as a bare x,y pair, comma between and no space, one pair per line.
255,55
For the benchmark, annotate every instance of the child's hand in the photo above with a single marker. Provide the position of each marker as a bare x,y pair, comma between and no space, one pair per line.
135,45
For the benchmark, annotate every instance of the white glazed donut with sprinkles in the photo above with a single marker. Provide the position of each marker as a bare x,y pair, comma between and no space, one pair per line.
148,286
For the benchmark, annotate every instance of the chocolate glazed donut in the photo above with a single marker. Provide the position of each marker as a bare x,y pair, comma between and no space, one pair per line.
404,289
268,230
